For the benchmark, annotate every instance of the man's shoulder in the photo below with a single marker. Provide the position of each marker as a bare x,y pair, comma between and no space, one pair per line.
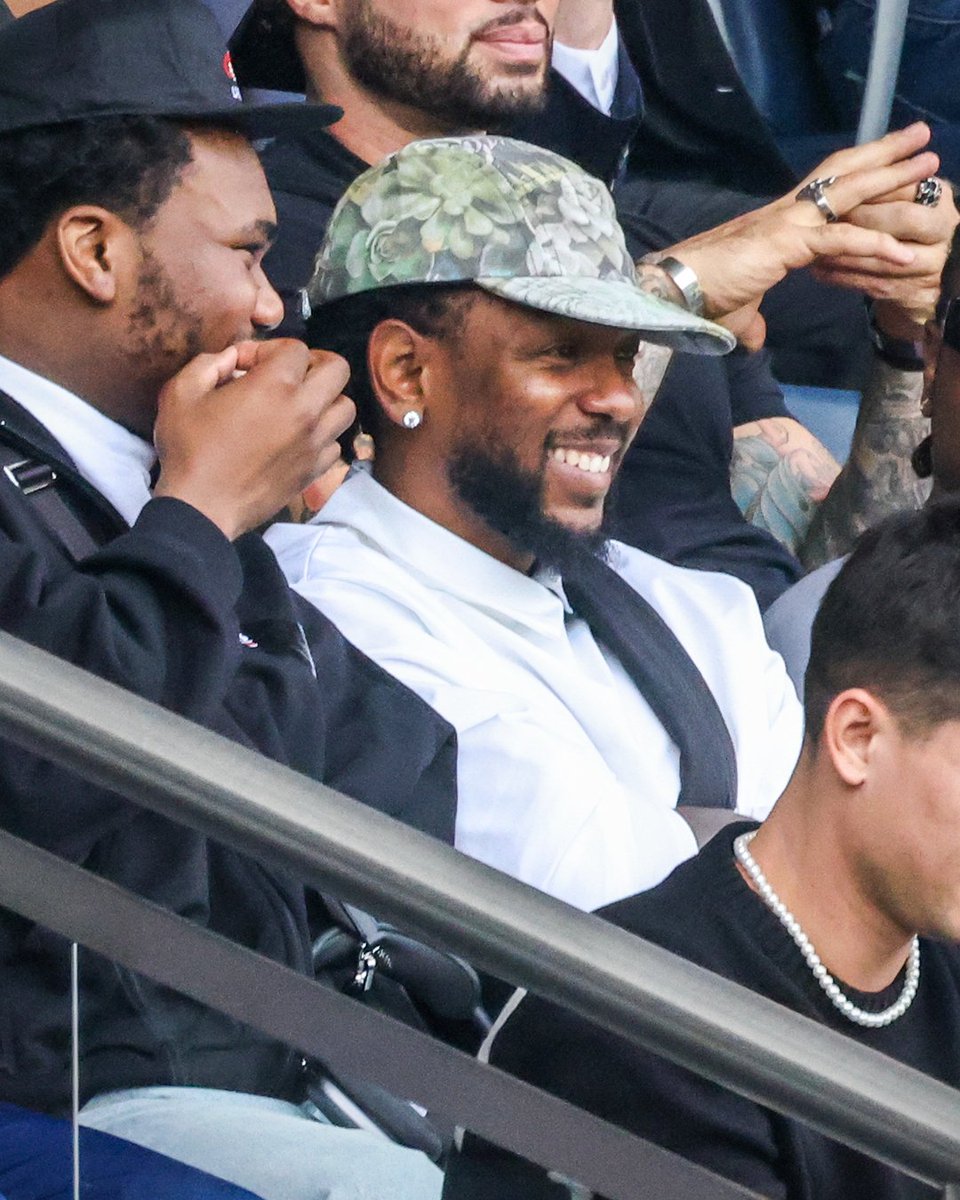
666,585
688,912
316,167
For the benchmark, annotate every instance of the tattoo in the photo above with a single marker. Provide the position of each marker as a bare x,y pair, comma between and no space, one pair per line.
656,282
649,368
779,473
878,478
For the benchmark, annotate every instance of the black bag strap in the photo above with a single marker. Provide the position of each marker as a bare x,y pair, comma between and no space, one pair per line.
666,676
36,480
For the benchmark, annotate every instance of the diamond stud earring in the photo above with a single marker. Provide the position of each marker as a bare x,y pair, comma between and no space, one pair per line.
411,419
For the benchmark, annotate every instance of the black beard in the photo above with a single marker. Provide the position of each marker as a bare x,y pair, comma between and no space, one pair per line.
398,64
509,500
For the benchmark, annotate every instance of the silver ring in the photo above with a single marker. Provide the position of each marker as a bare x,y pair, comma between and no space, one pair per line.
814,191
929,192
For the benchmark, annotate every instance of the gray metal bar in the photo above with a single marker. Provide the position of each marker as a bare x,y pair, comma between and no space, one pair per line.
889,30
351,1039
626,985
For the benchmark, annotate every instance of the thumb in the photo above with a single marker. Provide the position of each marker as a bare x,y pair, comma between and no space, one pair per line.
202,374
747,325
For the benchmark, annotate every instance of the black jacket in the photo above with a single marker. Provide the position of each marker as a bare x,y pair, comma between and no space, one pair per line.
699,120
160,610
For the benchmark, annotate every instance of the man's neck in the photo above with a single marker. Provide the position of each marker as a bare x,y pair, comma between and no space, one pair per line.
809,868
373,130
430,494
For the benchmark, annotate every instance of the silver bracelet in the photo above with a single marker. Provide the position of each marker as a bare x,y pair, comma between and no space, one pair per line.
686,281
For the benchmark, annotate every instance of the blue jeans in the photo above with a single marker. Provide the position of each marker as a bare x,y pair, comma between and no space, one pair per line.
927,82
36,1162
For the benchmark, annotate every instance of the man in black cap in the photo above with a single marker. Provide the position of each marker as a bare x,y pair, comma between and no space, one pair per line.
134,217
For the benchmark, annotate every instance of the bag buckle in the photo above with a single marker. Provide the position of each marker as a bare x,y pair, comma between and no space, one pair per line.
30,476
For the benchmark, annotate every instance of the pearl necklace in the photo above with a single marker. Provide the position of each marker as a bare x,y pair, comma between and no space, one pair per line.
872,1020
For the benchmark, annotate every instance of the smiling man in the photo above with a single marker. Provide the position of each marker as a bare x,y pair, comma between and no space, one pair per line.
482,293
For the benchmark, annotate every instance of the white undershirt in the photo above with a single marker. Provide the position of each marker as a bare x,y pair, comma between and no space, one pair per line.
594,73
110,458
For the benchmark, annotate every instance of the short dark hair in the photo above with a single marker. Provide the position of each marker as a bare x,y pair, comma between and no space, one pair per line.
345,326
890,622
129,165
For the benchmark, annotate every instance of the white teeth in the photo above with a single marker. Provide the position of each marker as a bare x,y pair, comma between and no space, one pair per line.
593,464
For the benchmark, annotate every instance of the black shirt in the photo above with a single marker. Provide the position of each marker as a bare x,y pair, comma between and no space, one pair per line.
706,912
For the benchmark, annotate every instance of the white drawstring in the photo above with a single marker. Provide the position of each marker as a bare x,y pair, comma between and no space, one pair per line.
75,1063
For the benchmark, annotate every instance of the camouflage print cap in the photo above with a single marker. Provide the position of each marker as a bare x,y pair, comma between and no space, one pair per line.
518,221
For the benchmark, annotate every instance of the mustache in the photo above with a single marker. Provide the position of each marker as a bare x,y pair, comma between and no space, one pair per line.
516,16
589,433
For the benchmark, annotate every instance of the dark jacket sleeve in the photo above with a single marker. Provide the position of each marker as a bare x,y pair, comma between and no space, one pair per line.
152,611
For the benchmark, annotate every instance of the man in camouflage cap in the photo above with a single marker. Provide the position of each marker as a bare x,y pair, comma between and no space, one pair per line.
482,293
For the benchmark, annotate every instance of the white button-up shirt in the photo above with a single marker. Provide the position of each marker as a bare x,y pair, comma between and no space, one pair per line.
566,778
112,459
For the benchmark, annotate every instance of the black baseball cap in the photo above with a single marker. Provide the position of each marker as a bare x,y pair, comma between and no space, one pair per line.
264,51
79,59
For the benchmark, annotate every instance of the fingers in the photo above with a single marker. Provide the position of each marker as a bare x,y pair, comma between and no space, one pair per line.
900,144
747,325
327,369
842,239
917,299
202,374
908,194
851,190
919,273
335,419
908,222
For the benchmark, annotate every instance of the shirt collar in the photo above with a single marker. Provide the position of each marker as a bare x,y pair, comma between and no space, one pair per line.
443,560
110,458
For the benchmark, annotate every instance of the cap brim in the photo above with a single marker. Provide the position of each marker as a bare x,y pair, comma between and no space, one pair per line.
256,121
616,303
269,120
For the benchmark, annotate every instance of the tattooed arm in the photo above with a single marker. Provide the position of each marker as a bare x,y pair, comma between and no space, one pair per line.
779,474
785,481
878,478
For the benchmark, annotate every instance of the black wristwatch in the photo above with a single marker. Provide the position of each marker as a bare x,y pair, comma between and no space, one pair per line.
897,352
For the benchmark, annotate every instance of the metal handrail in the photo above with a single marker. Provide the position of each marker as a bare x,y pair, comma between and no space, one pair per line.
632,988
886,49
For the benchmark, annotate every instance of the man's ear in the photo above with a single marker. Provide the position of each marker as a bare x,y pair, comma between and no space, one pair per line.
396,358
93,244
321,13
855,722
